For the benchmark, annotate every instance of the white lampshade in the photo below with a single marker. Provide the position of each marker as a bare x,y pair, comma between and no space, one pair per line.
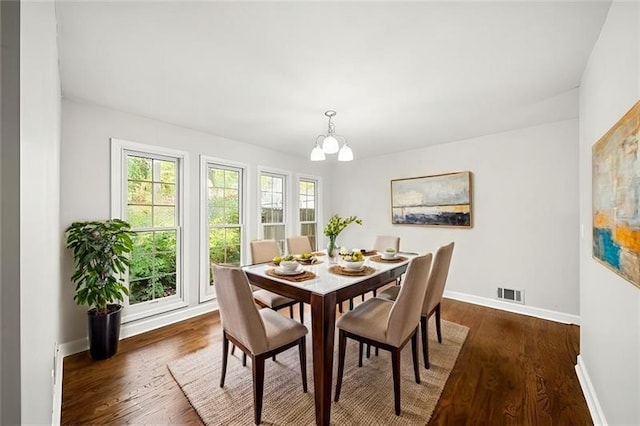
330,145
317,154
345,153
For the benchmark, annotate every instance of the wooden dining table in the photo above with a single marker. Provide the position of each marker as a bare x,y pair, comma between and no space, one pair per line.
322,292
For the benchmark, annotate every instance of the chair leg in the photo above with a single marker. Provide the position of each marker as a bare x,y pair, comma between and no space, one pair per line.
375,292
377,351
273,358
233,348
341,350
414,353
340,307
438,329
302,312
425,341
302,351
395,365
225,350
360,350
351,304
291,311
258,386
368,351
244,359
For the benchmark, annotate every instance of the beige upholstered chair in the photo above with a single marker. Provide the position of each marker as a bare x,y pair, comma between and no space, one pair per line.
263,251
384,242
388,325
258,333
299,245
433,296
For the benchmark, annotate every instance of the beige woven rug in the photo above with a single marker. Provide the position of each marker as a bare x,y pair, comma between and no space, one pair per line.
366,397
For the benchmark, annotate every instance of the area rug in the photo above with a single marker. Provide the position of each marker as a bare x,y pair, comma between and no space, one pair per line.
366,397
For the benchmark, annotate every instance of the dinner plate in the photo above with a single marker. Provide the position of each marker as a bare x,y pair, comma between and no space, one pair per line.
299,270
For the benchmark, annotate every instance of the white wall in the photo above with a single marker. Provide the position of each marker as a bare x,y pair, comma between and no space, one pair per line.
85,180
525,211
40,239
610,306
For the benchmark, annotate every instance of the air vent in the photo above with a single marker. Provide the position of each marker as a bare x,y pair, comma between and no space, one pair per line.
511,295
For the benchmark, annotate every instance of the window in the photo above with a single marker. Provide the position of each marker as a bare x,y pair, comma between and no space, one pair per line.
223,218
308,208
150,199
272,203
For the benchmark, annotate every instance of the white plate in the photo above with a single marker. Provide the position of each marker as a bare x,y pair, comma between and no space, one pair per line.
296,271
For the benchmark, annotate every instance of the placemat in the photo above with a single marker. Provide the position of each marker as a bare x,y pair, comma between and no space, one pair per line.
306,275
340,270
396,259
369,252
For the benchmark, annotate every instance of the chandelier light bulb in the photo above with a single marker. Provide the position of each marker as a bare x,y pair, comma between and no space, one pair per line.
330,145
317,154
345,153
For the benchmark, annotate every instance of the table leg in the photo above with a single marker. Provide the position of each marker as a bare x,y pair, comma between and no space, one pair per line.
323,321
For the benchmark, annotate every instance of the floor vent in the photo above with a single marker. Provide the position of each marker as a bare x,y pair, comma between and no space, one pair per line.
511,295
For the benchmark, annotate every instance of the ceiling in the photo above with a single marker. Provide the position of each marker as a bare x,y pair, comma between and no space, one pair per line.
401,75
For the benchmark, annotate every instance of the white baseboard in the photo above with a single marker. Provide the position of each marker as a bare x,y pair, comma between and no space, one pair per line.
57,387
597,415
515,308
142,326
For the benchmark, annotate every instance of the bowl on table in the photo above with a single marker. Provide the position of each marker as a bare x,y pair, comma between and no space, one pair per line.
388,254
353,265
288,265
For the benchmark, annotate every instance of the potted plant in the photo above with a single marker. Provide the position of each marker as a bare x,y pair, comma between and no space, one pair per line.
101,258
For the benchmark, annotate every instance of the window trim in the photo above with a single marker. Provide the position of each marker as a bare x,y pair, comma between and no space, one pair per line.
288,204
119,150
319,206
204,293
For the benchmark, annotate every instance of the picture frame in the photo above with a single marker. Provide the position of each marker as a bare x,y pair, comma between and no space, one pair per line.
443,200
616,197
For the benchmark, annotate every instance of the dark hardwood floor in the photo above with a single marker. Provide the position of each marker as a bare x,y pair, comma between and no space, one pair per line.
512,369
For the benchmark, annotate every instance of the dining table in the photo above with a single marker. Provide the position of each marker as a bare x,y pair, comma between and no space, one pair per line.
323,287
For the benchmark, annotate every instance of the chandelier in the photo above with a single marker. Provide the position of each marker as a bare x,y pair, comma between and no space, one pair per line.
330,144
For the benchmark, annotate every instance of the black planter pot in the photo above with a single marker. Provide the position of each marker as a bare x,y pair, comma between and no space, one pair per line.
104,332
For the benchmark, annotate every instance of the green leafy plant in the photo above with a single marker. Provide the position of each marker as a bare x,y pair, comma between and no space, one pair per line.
337,224
101,257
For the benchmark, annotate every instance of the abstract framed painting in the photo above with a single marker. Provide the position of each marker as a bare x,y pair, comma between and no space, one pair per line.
616,197
439,200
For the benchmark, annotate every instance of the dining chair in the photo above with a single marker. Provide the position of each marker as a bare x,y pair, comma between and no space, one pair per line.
263,251
433,296
298,245
388,325
260,334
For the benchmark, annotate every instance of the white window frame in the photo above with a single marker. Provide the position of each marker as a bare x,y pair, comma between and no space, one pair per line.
287,204
319,210
119,150
208,292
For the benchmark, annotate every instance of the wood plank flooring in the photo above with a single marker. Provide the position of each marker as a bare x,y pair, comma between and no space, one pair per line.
512,370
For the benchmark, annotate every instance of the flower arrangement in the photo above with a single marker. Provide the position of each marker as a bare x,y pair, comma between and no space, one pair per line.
334,227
